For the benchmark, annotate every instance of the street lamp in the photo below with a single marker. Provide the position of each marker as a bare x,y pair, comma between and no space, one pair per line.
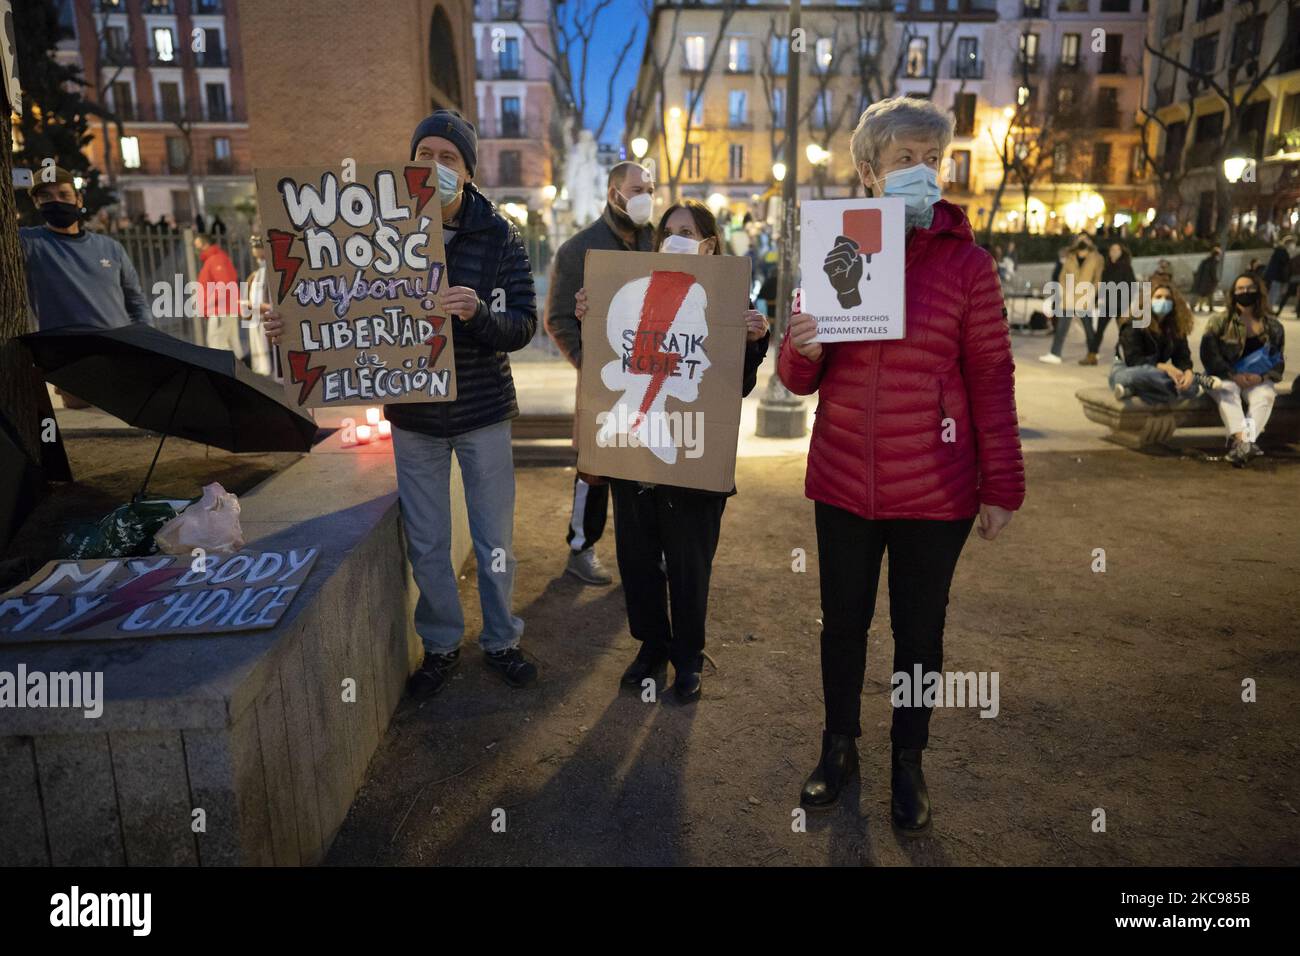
778,172
781,413
1234,167
639,147
548,192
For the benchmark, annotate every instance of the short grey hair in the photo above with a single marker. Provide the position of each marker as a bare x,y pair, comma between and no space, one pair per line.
886,120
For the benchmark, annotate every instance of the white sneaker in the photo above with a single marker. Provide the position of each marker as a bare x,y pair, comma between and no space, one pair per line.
1121,392
1050,359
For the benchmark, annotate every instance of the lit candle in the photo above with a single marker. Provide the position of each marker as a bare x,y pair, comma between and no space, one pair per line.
385,429
372,416
363,435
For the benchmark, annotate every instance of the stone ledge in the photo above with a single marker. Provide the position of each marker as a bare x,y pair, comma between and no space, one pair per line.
250,727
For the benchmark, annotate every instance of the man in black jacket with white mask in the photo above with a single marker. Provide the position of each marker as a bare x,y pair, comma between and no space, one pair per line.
489,295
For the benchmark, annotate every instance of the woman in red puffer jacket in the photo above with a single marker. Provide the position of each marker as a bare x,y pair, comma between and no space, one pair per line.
914,438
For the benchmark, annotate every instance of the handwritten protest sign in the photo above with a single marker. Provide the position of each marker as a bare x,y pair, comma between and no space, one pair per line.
663,352
354,266
851,254
162,594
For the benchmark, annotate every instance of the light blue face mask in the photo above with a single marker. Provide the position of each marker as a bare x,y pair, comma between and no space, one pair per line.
1162,306
448,185
917,186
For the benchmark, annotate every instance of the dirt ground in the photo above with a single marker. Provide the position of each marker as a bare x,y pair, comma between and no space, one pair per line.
1120,691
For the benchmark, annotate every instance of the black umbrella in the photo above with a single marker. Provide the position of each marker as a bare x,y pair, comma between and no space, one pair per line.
158,382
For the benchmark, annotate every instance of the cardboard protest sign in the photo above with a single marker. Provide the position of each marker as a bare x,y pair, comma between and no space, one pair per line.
162,594
354,265
663,351
851,254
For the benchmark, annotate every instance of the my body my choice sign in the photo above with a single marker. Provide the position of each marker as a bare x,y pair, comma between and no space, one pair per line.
161,594
355,262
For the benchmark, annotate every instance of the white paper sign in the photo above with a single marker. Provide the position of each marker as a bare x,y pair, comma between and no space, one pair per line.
851,258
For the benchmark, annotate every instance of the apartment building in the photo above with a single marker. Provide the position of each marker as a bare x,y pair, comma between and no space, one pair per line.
1233,42
516,105
170,71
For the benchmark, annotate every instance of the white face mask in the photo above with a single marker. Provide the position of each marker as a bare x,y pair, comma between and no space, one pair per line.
639,208
680,244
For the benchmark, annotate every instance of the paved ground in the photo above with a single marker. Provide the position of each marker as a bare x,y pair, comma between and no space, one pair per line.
1119,691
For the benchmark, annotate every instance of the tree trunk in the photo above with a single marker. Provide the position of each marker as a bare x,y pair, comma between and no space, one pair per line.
993,210
17,402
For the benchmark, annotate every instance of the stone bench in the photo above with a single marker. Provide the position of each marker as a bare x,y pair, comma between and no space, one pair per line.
1135,424
250,727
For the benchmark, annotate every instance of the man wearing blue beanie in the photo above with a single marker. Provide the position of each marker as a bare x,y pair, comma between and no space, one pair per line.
489,295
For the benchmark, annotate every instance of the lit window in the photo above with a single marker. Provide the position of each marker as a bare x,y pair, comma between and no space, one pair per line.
824,54
131,152
695,53
162,45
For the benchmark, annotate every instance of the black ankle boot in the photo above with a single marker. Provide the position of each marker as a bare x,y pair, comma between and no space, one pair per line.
838,764
910,805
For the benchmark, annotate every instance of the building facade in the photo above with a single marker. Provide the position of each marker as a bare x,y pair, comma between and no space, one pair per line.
515,100
172,72
1233,42
330,80
1068,71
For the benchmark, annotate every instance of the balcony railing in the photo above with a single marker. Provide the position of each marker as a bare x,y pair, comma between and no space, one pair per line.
160,7
510,127
207,6
508,9
210,58
1201,154
1112,65
213,113
1029,64
919,70
968,70
221,167
173,58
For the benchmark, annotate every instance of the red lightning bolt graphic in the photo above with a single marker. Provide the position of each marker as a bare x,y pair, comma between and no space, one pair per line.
663,297
281,242
417,184
127,598
299,372
435,342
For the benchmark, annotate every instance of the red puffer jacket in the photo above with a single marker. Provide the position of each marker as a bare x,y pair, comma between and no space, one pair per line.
877,446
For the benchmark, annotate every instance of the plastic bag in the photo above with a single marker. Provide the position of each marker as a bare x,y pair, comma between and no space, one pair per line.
211,523
125,532
1259,362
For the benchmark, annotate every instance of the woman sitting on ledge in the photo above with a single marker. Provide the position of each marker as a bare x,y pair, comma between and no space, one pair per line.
1154,363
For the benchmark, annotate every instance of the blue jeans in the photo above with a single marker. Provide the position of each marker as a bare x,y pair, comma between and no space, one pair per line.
423,485
1149,383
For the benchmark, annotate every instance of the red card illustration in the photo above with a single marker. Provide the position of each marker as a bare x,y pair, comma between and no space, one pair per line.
863,227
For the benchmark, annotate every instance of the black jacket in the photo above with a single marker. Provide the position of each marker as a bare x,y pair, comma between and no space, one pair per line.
1114,272
1207,276
1151,346
567,278
1224,340
1279,266
486,254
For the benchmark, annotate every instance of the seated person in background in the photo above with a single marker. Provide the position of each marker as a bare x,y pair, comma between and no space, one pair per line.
1154,363
1245,349
75,277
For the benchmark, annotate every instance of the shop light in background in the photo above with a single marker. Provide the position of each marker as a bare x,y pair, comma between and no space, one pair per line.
372,416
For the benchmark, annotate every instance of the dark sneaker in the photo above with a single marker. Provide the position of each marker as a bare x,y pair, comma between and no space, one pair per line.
1208,383
1253,450
1239,455
514,669
433,674
586,567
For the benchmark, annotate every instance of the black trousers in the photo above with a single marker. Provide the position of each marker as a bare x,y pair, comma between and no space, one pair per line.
922,558
587,520
679,527
1093,330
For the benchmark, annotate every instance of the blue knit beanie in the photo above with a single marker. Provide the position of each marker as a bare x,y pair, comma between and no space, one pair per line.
450,125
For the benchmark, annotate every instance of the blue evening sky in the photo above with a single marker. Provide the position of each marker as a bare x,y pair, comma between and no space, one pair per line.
610,35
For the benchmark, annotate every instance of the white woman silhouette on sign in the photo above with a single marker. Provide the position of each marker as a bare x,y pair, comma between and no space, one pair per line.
657,327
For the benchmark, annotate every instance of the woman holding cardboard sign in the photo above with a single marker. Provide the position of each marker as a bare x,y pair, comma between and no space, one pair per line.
666,534
914,438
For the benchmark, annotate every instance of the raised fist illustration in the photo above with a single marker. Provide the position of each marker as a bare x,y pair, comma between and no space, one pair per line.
843,266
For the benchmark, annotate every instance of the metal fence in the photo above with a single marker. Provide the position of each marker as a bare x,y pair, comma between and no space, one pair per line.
167,260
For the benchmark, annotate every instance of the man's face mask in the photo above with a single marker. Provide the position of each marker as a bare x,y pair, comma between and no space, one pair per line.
639,208
61,215
917,186
448,185
681,244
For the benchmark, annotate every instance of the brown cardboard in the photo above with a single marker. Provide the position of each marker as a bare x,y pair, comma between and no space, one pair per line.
162,594
383,221
687,361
